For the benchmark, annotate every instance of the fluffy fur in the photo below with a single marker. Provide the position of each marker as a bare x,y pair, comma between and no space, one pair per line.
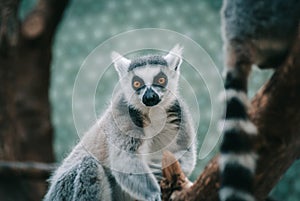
119,158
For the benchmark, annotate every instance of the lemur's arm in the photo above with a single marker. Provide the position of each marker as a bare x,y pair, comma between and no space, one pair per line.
187,159
140,182
187,154
62,185
91,182
86,180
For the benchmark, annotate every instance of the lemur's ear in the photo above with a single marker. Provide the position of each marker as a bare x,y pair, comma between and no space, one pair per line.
174,57
121,63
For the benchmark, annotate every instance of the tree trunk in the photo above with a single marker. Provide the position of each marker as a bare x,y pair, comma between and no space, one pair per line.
25,58
276,112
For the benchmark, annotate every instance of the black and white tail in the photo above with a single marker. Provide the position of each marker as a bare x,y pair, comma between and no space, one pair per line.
252,34
237,160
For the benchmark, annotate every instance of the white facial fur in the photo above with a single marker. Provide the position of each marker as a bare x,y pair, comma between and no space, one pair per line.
147,74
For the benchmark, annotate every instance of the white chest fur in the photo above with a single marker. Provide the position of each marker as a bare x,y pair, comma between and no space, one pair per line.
156,122
160,135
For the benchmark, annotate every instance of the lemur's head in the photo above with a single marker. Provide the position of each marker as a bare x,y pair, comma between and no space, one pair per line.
149,80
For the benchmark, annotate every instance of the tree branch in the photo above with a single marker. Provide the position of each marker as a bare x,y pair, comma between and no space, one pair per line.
276,112
174,179
29,170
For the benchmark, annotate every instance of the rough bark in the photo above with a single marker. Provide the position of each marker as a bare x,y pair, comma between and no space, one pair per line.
276,111
174,179
25,57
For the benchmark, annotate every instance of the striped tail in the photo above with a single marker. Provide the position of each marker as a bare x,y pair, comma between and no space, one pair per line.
237,160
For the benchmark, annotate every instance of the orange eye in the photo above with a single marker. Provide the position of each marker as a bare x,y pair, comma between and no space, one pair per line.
136,84
161,80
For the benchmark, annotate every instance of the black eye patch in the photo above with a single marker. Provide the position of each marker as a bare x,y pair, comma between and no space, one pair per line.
160,80
137,83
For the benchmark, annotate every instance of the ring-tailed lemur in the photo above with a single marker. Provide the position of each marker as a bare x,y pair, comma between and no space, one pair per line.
254,32
119,158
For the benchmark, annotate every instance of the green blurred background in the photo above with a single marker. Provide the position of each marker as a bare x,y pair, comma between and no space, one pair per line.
88,23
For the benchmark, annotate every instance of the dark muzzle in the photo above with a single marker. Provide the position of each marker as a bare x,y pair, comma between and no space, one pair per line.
150,98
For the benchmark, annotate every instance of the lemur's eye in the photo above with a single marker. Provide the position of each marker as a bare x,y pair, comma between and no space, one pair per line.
136,84
162,80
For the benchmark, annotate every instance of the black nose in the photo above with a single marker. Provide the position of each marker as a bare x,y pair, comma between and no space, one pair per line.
150,98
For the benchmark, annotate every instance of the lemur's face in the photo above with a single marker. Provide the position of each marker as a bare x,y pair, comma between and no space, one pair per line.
150,84
150,80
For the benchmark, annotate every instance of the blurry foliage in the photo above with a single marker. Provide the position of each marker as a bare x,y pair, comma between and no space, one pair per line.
88,23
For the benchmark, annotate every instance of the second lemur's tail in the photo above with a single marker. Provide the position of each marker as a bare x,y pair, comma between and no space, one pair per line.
237,160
